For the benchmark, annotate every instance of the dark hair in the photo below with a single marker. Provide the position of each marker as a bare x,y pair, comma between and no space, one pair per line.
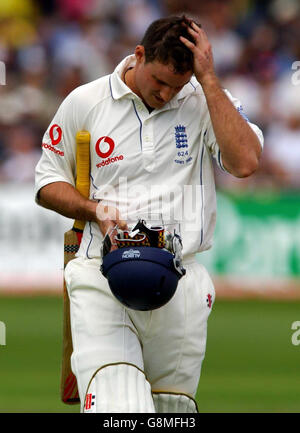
161,42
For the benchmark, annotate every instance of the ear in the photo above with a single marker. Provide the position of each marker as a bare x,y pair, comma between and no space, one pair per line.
139,54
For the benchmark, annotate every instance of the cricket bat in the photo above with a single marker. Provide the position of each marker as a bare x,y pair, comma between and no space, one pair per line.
72,239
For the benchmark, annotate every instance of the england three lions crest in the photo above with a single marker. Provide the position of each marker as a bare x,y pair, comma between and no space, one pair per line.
182,146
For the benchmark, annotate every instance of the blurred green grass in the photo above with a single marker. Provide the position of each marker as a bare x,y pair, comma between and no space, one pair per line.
30,361
250,365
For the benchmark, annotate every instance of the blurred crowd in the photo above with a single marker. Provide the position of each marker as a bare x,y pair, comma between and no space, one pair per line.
50,47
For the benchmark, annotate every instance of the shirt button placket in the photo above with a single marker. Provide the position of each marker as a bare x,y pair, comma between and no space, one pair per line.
148,145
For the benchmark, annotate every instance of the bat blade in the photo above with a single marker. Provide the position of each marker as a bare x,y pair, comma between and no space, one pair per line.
68,386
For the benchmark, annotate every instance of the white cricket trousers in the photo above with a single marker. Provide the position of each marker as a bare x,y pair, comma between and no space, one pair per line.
168,344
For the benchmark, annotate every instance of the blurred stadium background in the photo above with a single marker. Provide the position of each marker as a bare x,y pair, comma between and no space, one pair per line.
49,48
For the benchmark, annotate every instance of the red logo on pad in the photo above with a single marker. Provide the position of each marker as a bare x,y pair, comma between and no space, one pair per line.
209,300
88,401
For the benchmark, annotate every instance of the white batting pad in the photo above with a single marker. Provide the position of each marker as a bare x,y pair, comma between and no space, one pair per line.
174,403
119,388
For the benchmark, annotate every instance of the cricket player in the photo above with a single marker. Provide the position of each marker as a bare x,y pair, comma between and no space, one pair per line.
155,124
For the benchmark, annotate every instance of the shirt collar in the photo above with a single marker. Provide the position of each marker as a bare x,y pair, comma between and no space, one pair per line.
119,89
117,86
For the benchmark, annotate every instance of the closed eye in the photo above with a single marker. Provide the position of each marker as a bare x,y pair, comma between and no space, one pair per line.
162,83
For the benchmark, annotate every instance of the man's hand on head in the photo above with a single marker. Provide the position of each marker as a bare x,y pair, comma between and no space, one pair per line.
202,51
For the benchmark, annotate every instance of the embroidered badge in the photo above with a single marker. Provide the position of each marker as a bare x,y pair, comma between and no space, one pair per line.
182,146
180,137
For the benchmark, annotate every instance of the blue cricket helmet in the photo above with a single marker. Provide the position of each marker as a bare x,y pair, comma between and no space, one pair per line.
142,277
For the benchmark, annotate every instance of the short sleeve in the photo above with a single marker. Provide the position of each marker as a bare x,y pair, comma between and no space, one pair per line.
210,138
57,162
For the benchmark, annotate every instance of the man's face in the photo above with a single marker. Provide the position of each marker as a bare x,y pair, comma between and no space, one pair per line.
157,83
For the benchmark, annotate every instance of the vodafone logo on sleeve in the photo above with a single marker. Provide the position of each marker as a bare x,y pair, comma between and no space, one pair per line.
104,148
55,134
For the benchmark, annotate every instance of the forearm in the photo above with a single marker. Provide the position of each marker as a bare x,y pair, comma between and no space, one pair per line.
67,201
239,145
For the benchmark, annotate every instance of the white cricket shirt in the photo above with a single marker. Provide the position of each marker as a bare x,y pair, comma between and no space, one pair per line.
141,162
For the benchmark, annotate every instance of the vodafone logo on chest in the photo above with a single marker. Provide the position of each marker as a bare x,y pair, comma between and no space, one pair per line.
104,148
